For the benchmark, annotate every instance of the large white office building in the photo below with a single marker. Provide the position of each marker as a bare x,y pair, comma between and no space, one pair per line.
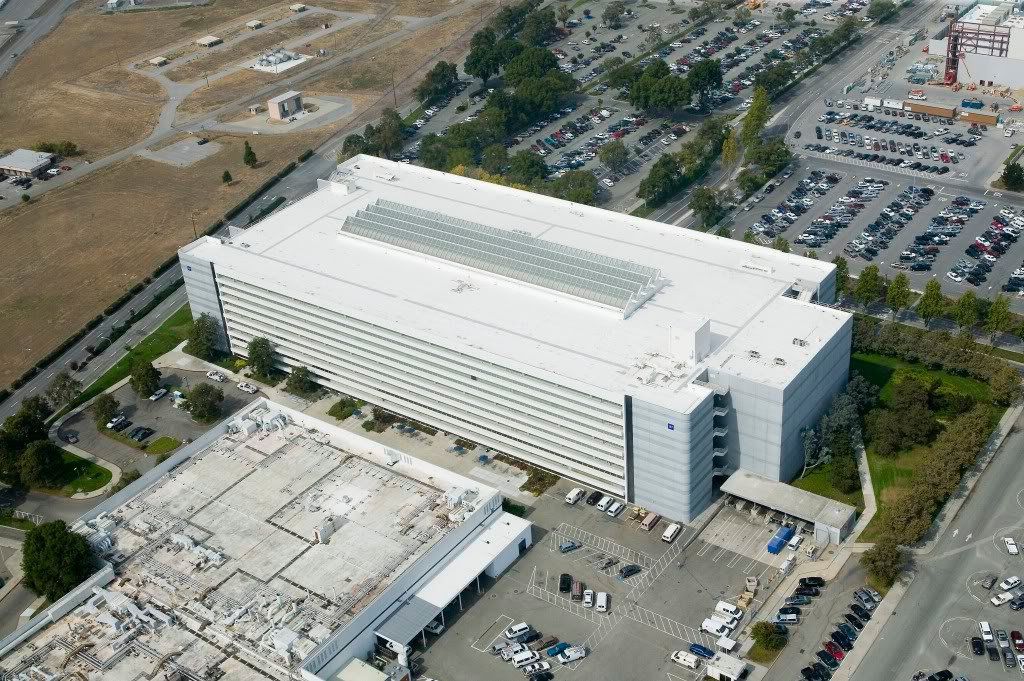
635,357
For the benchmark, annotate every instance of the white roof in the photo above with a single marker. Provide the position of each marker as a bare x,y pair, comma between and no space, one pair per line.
284,96
790,500
26,160
720,296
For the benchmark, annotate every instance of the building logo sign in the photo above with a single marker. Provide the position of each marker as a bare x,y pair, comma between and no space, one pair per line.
671,426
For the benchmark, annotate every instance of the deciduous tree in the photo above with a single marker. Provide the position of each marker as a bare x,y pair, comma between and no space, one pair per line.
261,356
28,424
41,464
204,402
145,378
932,303
842,275
63,389
202,338
885,561
300,381
869,286
965,310
614,155
898,295
1013,177
768,636
104,408
55,560
998,319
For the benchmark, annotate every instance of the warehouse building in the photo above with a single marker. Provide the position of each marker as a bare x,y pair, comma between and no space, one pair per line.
637,358
275,546
25,163
984,46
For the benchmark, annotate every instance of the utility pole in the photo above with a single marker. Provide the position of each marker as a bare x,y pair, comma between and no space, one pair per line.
195,232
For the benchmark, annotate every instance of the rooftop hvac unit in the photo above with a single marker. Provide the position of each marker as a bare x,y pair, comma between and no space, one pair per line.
800,342
754,354
780,362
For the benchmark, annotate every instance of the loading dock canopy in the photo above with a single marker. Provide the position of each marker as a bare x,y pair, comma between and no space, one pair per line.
797,503
408,621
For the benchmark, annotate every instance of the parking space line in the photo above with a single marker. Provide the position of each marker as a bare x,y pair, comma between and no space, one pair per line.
603,544
501,627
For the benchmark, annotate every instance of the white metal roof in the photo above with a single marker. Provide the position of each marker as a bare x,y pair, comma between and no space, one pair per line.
283,96
26,160
790,500
717,292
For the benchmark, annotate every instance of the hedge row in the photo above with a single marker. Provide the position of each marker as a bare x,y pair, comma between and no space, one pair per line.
305,155
247,201
54,354
119,330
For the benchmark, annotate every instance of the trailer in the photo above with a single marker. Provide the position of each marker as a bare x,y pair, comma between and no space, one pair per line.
917,95
979,118
931,109
872,103
893,104
972,103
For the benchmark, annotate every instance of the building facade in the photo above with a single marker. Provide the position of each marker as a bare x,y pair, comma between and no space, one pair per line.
635,358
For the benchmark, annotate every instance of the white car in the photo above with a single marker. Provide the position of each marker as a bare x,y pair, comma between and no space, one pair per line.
536,667
158,394
607,182
435,627
248,388
1011,546
1009,583
954,276
999,599
216,376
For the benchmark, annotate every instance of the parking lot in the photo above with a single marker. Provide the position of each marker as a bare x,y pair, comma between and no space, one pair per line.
160,415
651,614
888,257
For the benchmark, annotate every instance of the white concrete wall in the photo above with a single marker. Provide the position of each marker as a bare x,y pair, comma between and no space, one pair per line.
510,553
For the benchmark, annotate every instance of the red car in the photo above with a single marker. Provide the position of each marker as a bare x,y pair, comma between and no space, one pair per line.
1018,640
835,651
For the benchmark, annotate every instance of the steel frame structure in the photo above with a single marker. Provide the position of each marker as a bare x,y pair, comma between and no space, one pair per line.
970,38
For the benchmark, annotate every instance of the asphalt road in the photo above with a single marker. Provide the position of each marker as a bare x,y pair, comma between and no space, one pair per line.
944,604
11,608
33,31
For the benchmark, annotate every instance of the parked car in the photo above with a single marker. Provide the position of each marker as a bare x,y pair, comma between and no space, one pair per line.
216,376
158,394
248,388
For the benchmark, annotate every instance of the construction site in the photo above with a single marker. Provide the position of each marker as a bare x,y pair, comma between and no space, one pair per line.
254,552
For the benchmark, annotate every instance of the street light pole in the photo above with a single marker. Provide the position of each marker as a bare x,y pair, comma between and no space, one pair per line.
195,232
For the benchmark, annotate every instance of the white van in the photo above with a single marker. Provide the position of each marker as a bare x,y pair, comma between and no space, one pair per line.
572,654
787,618
685,659
602,601
714,627
986,632
605,502
574,495
517,630
729,610
524,658
795,542
727,622
615,509
671,532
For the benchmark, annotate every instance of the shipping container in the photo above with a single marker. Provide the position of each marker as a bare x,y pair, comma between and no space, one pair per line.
972,103
893,104
785,533
872,103
979,118
775,545
932,109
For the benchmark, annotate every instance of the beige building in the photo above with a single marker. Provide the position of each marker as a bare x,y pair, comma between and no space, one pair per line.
284,106
25,163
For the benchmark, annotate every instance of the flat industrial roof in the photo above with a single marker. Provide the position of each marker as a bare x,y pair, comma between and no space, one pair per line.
283,96
272,537
26,160
790,500
717,289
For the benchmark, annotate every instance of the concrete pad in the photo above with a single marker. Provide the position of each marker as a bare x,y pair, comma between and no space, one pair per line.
182,154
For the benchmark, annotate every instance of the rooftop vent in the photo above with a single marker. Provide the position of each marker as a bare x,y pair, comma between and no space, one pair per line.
800,342
780,362
753,354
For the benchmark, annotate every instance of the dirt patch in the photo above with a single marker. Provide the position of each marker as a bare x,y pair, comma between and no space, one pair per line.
249,48
70,86
64,257
373,70
355,36
415,8
226,89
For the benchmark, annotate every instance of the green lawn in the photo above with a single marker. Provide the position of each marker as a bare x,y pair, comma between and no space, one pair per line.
817,481
7,518
891,475
80,475
162,445
174,330
762,655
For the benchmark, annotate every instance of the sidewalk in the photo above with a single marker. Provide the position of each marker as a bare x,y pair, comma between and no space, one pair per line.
868,489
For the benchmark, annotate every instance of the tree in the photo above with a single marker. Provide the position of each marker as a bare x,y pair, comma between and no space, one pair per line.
1005,385
614,155
387,137
780,244
999,319
226,177
612,15
842,275
775,78
1013,177
249,156
578,186
434,152
63,389
494,158
104,408
482,60
539,27
885,561
742,15
55,560
965,310
768,636
526,166
880,9
811,253
204,402
662,180
202,338
261,356
749,237
40,464
145,378
300,381
438,82
789,16
704,78
533,62
704,202
843,474
564,13
730,149
757,117
28,424
932,304
898,295
25,198
869,286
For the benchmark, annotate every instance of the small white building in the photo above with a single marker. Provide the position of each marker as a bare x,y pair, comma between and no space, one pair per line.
209,41
726,667
298,7
159,61
254,24
25,163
